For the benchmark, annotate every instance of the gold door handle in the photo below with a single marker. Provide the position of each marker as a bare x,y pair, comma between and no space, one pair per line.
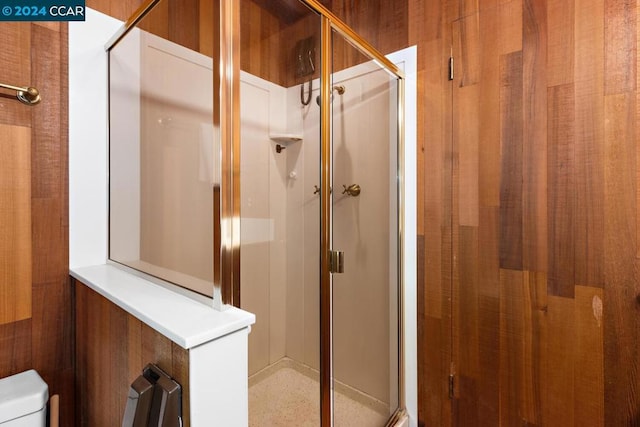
336,261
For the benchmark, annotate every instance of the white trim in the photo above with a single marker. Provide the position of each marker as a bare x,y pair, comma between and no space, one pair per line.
408,57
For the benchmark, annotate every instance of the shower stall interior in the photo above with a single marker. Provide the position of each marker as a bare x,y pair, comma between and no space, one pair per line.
255,157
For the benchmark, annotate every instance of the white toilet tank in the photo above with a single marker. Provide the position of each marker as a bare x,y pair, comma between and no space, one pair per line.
23,400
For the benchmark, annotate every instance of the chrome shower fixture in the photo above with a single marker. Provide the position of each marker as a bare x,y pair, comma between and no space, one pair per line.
26,95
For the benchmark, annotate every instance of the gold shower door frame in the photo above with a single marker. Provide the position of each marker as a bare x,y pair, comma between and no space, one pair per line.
329,23
230,133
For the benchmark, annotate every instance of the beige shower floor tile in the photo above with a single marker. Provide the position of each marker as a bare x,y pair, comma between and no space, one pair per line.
286,397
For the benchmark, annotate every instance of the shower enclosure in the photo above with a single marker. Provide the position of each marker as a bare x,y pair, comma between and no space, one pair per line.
254,158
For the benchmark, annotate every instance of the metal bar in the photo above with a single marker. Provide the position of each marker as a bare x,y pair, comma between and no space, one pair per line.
326,321
26,95
11,87
401,240
130,23
227,287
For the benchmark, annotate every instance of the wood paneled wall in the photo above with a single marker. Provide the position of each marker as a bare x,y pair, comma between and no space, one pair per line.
112,348
528,205
429,25
35,312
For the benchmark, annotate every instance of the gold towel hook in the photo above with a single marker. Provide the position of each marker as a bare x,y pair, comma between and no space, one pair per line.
26,95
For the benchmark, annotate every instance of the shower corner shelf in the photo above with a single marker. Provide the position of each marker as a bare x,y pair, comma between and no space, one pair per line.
285,138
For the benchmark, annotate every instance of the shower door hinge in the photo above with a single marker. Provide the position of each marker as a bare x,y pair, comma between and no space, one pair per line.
451,386
336,261
450,68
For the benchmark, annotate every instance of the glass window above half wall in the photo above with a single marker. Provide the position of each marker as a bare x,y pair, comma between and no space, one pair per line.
163,150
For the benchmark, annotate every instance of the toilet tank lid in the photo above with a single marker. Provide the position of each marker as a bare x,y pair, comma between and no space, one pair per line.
22,394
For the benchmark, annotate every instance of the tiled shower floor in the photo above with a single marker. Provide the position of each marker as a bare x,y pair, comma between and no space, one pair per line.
284,396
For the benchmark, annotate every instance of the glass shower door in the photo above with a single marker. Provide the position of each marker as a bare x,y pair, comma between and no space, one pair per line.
365,229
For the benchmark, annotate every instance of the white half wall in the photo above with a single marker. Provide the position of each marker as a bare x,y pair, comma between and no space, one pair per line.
88,138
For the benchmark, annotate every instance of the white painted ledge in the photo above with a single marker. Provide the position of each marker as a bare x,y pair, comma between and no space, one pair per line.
180,318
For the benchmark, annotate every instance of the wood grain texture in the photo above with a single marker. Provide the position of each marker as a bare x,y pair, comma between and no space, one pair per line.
511,26
511,105
52,342
558,362
381,23
560,46
621,320
466,140
489,255
184,23
491,33
620,46
589,152
466,325
467,33
15,347
566,313
112,348
206,27
15,224
589,359
119,9
289,11
534,134
435,186
157,21
46,153
518,340
261,54
430,29
16,67
562,204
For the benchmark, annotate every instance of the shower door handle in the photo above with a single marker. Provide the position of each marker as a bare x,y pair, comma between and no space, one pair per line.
336,259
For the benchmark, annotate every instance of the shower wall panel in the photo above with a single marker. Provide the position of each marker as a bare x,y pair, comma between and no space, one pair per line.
263,224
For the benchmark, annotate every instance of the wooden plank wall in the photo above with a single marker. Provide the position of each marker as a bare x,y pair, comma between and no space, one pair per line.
544,214
15,223
429,28
35,312
112,349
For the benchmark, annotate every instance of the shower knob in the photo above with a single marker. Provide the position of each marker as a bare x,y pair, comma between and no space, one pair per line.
352,190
